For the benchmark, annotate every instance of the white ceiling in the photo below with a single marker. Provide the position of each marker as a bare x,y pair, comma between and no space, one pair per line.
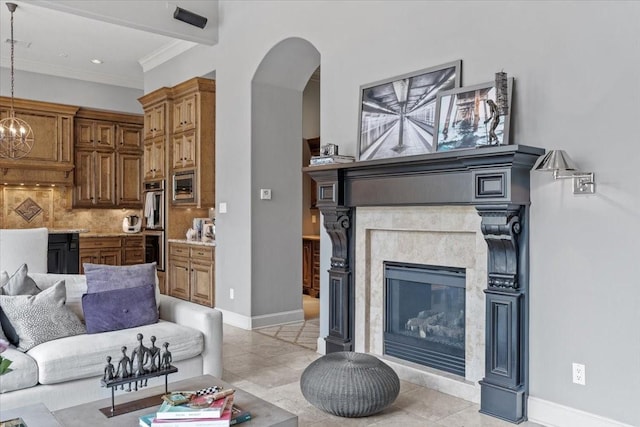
61,37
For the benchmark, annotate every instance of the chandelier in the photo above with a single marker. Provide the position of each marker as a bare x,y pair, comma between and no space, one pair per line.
16,136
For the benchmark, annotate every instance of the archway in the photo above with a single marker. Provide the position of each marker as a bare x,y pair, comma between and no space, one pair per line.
276,153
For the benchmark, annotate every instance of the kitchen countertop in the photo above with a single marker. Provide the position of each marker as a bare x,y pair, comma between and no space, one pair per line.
311,236
109,234
191,242
67,230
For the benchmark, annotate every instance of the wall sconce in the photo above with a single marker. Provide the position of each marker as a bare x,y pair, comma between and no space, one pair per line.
559,162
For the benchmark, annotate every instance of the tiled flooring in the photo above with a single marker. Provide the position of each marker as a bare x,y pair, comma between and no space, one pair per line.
270,368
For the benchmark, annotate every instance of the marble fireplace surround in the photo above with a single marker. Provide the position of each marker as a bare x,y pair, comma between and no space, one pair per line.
435,235
493,182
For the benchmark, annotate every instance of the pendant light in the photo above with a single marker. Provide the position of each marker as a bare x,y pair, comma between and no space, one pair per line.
16,136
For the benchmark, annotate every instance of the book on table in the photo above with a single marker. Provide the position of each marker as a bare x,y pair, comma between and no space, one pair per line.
223,421
239,415
200,407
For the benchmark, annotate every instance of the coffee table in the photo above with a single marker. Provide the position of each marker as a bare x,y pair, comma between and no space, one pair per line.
263,413
36,415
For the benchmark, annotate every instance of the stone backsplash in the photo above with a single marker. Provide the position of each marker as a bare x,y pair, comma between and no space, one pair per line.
51,207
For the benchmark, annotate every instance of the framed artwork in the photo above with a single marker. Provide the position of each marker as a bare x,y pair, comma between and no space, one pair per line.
397,115
468,117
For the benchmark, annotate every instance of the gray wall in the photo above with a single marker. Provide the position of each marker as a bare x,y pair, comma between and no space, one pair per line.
61,90
576,68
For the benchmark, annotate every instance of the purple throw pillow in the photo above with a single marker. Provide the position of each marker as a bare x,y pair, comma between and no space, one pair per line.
120,309
109,277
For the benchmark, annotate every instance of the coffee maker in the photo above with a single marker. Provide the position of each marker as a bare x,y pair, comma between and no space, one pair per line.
131,224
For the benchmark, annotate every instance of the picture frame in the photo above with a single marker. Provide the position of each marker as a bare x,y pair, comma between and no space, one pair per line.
464,118
397,115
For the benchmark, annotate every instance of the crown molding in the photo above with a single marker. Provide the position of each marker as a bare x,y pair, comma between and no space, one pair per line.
164,54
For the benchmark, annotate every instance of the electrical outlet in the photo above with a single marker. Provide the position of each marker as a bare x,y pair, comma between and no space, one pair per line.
222,207
579,374
231,293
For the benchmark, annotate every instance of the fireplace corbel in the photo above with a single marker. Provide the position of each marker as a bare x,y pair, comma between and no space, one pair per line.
493,179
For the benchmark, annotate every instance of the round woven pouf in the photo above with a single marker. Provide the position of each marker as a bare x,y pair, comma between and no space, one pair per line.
349,384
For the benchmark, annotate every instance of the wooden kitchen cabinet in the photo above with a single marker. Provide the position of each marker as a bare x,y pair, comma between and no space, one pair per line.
191,273
132,250
193,137
95,179
108,157
100,250
51,160
155,119
184,151
311,266
96,134
185,112
154,159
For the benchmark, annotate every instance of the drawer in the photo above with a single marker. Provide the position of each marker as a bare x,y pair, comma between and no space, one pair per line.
131,242
178,250
202,252
100,242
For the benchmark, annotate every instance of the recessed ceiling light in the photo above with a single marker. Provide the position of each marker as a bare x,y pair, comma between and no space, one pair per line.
96,61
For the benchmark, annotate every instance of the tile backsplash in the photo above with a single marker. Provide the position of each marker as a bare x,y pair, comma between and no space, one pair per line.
51,207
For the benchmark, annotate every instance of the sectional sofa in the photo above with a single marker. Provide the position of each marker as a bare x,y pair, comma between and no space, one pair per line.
67,371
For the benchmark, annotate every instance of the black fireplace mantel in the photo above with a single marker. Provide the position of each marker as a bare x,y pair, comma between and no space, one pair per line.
493,179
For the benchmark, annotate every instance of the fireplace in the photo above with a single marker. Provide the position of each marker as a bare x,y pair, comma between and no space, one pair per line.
494,183
425,315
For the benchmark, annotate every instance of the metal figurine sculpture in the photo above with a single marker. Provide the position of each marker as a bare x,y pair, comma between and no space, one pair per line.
494,118
144,363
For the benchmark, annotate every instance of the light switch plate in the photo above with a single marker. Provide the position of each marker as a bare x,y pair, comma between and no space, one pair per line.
223,207
265,194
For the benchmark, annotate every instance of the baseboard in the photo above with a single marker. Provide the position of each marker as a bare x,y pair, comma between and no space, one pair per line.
551,414
275,319
321,346
235,319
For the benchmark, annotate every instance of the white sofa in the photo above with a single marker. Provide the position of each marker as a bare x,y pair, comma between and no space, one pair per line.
67,371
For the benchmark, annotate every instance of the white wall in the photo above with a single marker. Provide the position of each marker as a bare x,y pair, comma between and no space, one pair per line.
577,88
41,87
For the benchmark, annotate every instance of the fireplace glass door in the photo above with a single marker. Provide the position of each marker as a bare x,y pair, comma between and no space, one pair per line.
425,315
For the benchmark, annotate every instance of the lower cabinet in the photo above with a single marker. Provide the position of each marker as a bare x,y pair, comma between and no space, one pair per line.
311,266
116,250
191,273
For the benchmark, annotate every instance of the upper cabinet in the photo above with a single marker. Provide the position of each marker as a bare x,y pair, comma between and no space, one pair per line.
108,153
193,138
156,105
179,136
51,160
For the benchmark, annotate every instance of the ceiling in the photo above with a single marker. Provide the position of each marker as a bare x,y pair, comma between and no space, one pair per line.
61,38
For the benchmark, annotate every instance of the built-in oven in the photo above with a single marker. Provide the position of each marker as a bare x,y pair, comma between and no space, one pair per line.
154,247
184,187
153,223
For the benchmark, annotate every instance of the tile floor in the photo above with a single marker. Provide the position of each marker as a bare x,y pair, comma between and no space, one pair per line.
269,367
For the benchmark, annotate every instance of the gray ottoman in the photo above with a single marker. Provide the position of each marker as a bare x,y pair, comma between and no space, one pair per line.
349,384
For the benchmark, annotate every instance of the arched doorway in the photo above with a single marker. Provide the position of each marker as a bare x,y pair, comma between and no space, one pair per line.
276,153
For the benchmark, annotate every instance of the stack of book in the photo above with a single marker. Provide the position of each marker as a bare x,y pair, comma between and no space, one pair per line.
200,411
330,159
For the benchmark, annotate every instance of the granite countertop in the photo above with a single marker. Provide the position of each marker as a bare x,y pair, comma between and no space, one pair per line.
192,242
311,236
67,230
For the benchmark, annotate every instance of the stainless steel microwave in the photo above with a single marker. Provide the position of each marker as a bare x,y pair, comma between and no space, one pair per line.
184,187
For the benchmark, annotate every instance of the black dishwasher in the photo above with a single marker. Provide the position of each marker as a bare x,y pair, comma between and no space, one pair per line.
63,256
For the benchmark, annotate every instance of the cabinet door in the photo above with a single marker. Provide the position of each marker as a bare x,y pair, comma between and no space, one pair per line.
184,150
129,137
105,133
202,290
184,113
307,260
129,180
91,256
154,120
105,193
179,277
154,159
84,173
84,133
110,256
